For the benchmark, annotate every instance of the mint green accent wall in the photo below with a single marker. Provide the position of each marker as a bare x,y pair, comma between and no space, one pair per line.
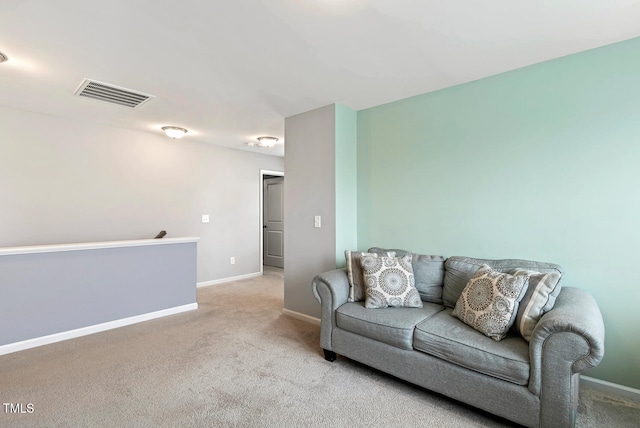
346,181
539,163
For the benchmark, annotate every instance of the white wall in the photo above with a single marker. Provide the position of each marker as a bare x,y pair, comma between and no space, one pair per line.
63,181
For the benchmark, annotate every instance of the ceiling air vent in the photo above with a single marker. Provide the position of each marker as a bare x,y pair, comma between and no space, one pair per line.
112,94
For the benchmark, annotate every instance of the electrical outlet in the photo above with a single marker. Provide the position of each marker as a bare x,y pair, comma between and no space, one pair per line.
233,260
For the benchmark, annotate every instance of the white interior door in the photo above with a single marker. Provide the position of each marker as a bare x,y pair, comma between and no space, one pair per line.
273,222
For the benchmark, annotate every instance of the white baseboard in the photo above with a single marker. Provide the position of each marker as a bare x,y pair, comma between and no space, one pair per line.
301,316
229,279
611,388
84,331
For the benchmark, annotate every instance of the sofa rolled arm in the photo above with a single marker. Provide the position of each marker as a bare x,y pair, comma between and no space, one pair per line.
331,289
570,335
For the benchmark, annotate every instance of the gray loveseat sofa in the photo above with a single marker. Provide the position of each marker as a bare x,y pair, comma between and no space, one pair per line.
531,383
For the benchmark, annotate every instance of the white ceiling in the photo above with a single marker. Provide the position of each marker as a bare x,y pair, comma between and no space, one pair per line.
231,71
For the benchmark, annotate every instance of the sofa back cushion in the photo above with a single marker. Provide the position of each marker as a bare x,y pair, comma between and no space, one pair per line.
459,270
428,273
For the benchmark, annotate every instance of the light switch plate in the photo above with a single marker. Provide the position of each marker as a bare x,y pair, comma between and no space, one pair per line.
205,218
318,221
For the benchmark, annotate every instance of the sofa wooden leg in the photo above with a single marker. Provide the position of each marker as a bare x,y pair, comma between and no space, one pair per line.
329,355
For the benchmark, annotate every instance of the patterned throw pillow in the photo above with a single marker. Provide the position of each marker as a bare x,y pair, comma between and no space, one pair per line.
354,273
389,282
538,300
489,302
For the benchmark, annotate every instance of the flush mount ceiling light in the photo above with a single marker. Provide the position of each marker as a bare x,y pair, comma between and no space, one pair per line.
265,142
174,131
3,57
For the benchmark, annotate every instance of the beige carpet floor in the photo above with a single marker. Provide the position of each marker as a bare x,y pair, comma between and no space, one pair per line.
234,362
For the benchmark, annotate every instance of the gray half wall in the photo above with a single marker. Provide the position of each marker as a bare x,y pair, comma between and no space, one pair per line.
46,293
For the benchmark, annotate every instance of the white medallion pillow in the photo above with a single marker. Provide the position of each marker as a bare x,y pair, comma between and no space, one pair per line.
389,282
489,301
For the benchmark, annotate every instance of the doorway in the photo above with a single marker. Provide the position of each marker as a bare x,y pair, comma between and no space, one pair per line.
272,219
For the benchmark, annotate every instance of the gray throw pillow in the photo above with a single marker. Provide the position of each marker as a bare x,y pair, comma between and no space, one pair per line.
538,300
354,273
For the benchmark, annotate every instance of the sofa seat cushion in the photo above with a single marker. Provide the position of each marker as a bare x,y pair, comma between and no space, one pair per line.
393,326
448,338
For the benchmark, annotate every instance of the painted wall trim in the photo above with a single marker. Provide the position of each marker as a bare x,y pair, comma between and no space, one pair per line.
228,279
611,388
85,331
301,316
93,245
